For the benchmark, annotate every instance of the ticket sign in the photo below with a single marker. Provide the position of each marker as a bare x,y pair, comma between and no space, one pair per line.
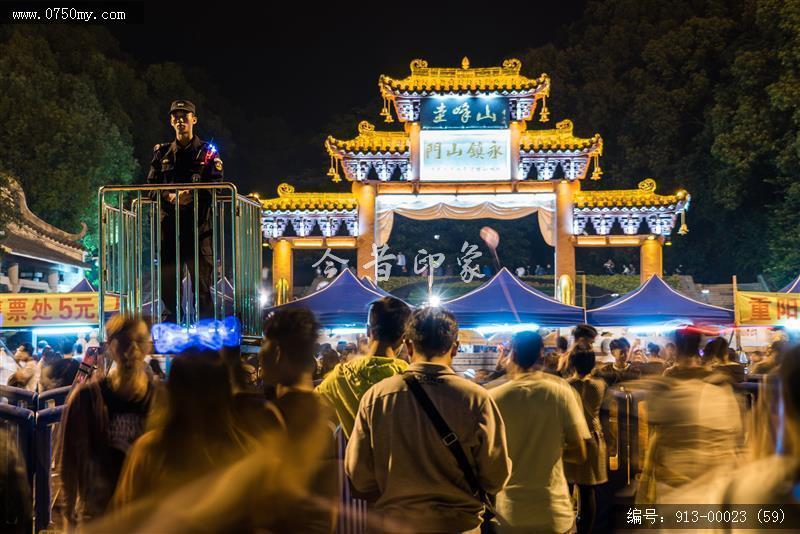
765,309
463,112
468,155
19,310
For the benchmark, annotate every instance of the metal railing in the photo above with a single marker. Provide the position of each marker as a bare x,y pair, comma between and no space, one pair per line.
221,275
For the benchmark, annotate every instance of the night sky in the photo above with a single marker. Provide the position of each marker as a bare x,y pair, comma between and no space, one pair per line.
282,78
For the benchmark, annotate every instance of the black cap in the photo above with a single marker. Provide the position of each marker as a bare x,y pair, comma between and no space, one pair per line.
181,105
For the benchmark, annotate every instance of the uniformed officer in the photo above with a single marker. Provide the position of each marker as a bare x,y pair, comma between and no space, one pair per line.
187,159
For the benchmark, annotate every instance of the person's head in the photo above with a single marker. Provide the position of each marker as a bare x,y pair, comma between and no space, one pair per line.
584,335
49,356
182,118
329,358
287,352
387,320
562,344
77,349
776,348
583,361
200,406
24,352
67,349
619,350
653,350
431,333
715,350
526,349
687,343
127,342
349,351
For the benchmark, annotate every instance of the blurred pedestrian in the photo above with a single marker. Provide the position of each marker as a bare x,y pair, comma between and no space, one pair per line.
688,363
16,513
695,425
103,417
287,361
26,375
536,498
717,355
197,435
593,471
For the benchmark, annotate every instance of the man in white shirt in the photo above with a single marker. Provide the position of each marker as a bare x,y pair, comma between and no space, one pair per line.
544,420
396,453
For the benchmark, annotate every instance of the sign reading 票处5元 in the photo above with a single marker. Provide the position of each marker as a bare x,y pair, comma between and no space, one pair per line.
18,310
463,113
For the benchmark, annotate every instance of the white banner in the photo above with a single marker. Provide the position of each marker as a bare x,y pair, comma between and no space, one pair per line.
469,155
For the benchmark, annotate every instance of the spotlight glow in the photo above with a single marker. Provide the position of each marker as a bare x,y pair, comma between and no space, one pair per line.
510,328
170,338
434,301
347,330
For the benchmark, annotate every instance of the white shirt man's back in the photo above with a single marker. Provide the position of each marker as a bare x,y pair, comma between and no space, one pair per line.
541,413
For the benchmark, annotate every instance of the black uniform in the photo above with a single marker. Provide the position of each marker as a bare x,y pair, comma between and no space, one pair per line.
172,164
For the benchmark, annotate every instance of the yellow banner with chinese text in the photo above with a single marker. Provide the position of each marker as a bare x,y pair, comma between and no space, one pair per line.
765,309
21,310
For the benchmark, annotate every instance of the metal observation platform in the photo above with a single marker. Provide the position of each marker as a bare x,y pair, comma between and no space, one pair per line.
143,233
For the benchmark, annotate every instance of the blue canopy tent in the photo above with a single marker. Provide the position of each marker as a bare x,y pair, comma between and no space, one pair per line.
83,287
793,287
366,282
656,303
505,300
343,302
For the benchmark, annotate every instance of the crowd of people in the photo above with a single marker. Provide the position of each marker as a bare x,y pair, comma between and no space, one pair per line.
46,368
223,442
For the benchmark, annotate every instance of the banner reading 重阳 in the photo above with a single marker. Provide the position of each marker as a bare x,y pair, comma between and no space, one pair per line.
765,309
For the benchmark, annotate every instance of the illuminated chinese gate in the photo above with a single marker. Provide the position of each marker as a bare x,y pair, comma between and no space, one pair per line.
467,151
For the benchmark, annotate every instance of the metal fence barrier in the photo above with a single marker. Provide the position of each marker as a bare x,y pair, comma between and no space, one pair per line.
213,239
46,420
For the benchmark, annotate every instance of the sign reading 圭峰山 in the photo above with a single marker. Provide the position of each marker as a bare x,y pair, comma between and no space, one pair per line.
465,155
52,309
764,309
463,113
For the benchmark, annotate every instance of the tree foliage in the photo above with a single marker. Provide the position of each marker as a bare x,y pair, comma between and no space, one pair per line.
77,114
699,94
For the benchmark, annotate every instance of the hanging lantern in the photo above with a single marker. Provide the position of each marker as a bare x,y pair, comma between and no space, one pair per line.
333,172
597,172
684,229
385,112
544,115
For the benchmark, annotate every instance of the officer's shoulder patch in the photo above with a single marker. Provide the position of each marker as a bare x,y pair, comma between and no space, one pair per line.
158,145
218,164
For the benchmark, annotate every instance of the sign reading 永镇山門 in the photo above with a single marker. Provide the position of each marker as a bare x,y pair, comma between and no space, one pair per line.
764,309
465,155
19,310
463,113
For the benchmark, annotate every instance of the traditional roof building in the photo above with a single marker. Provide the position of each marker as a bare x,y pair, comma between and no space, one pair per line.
470,147
37,256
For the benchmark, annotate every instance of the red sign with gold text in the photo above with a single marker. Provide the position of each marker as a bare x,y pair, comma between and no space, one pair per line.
20,310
